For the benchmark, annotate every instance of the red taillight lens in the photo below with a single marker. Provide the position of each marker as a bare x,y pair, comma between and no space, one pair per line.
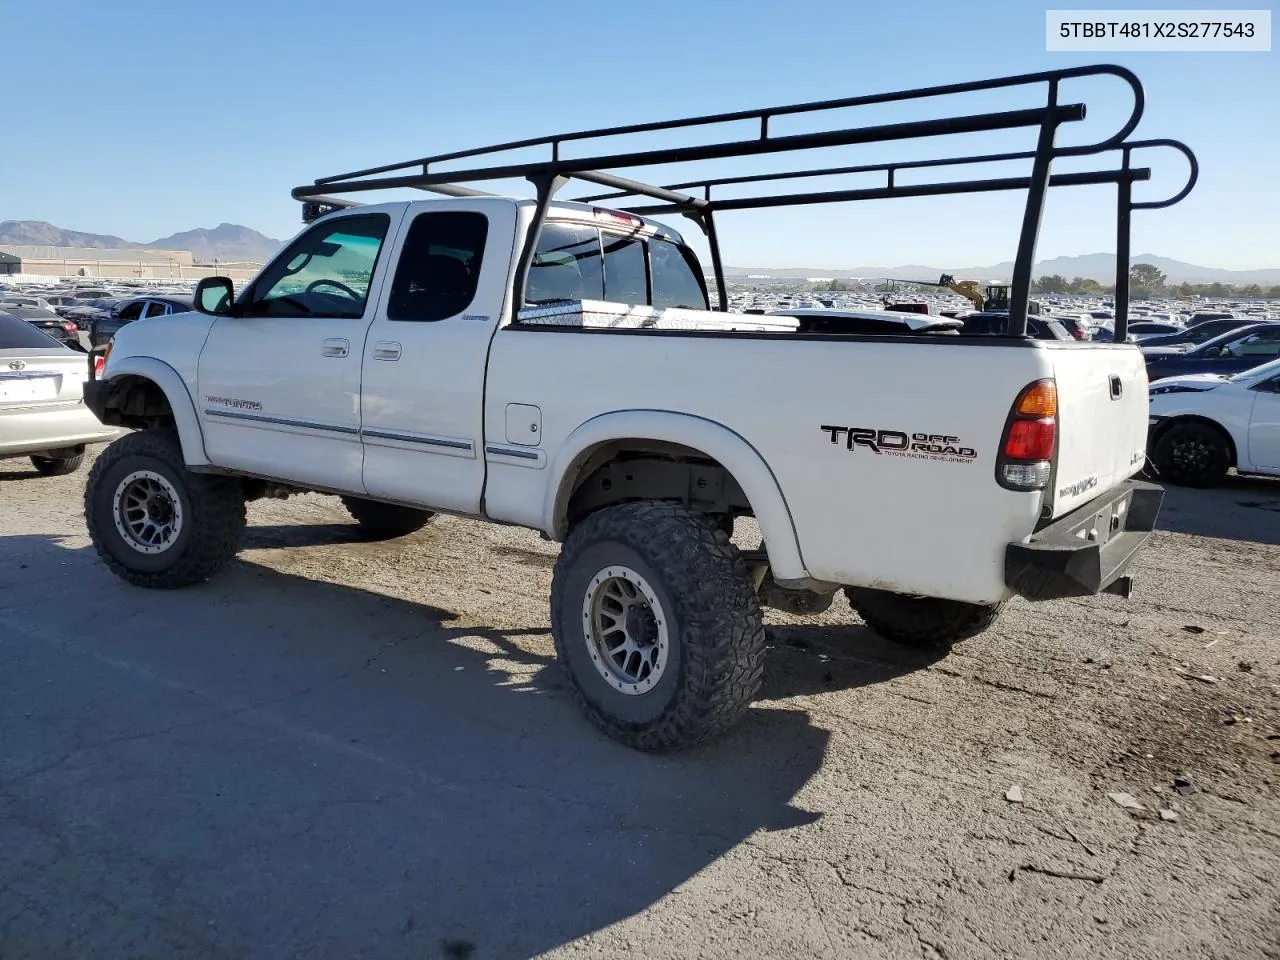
1026,455
1030,439
69,327
98,363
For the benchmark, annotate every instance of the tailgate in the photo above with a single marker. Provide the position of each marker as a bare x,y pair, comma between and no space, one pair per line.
41,377
1102,420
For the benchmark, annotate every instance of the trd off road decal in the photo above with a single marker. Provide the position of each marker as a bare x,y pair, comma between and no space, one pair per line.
895,443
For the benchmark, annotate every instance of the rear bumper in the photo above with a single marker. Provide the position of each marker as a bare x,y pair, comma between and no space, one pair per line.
34,430
1088,550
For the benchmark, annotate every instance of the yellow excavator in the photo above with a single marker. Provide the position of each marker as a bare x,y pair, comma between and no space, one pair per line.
993,297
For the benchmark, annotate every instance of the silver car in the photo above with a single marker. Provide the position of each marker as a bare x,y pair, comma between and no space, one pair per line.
42,411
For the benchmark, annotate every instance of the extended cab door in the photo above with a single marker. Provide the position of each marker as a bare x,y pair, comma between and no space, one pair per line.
424,361
279,381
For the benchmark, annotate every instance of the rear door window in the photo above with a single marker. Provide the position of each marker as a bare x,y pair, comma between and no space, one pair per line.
675,284
439,266
625,276
566,265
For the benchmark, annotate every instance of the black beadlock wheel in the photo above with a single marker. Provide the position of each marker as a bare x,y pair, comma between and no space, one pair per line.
1192,454
657,624
384,521
58,466
922,623
154,523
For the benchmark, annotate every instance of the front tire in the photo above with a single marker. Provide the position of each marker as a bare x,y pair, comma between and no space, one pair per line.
58,466
154,523
657,623
921,623
385,521
1192,455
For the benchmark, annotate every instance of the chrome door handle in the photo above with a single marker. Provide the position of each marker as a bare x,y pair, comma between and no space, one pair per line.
386,350
335,348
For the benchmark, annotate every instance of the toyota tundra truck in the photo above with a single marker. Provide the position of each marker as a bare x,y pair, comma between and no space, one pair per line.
565,366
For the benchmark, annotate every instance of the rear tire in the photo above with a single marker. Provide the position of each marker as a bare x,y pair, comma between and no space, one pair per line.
921,623
58,466
657,623
385,521
1192,454
154,523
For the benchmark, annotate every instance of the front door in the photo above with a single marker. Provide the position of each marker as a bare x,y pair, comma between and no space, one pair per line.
279,381
1264,426
424,361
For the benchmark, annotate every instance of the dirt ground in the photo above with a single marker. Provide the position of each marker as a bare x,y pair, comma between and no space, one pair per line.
341,749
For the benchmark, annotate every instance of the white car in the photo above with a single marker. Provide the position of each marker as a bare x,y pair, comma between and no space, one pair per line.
42,411
1204,424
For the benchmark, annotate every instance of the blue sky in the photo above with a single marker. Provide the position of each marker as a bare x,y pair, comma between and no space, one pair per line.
145,118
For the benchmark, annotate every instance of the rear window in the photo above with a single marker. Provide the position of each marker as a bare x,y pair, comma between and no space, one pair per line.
675,283
579,262
566,265
625,276
17,334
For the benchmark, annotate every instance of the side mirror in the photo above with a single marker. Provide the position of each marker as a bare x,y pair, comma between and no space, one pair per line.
215,295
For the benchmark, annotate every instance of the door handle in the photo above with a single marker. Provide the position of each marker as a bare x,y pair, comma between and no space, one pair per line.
335,348
386,350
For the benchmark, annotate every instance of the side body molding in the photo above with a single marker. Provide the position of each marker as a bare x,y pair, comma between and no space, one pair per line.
178,395
715,440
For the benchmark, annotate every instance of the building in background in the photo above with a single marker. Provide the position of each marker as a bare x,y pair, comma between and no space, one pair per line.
131,264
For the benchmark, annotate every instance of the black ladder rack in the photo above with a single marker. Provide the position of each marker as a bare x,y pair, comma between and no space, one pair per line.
694,198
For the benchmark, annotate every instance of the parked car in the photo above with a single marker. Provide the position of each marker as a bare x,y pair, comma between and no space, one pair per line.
104,327
993,322
1240,349
64,331
1200,333
1075,326
42,413
1151,328
1204,424
1204,316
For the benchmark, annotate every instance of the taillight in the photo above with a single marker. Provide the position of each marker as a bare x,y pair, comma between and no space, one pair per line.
70,327
98,363
1030,437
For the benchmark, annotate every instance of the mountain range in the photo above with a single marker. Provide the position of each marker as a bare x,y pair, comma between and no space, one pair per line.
227,241
231,242
1095,266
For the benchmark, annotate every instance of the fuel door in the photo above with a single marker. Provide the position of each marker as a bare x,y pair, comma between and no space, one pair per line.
524,424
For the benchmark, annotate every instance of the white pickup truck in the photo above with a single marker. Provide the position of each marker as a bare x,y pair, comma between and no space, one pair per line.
556,365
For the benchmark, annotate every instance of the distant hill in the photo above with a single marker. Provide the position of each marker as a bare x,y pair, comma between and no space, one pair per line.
1095,266
227,241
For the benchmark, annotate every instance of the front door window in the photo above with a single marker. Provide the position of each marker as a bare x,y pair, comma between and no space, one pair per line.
325,273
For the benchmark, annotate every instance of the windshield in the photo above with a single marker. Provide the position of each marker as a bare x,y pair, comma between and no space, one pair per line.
1257,373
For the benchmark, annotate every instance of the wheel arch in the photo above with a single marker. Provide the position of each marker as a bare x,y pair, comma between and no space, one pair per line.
601,438
1168,423
130,374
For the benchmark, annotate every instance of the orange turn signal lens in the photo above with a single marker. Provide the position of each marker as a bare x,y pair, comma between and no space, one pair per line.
1039,400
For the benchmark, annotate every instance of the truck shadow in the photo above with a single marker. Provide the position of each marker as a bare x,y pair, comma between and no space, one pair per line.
218,762
1240,508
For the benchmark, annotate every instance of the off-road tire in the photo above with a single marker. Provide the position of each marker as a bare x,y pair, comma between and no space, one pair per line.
921,623
715,629
385,521
1192,454
57,466
213,510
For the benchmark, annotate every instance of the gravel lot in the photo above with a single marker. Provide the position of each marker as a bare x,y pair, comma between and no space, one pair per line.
340,749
